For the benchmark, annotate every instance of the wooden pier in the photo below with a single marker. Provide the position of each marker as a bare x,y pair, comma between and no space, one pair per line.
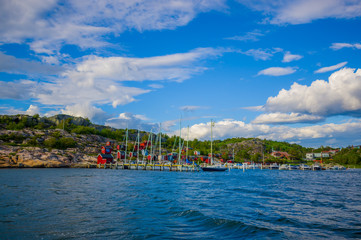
151,167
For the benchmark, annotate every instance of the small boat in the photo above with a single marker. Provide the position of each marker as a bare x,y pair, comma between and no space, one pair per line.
284,167
214,168
316,168
305,167
273,166
341,168
293,167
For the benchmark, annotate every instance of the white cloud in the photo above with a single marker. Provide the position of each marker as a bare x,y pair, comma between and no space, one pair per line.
32,110
331,68
10,64
190,108
65,91
340,95
284,118
305,11
316,134
133,121
338,46
86,110
49,24
288,57
249,36
261,54
173,67
277,71
19,90
100,80
156,86
254,108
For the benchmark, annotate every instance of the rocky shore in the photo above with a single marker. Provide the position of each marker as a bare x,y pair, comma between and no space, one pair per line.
17,153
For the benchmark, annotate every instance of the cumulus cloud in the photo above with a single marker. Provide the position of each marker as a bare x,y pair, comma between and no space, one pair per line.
305,11
133,121
339,95
68,91
47,25
86,110
288,57
31,111
277,71
316,134
338,46
331,68
285,118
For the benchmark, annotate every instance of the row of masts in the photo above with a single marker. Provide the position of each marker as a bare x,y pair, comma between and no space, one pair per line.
158,139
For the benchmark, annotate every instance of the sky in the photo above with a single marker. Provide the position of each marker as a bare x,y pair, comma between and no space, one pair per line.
279,70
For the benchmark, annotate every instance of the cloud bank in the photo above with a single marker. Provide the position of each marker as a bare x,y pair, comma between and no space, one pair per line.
223,129
47,25
340,95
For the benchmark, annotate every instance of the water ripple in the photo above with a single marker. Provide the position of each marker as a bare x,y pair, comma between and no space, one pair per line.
103,203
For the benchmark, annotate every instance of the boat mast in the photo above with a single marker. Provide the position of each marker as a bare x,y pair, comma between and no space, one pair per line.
211,142
187,143
151,147
180,139
160,142
138,148
126,145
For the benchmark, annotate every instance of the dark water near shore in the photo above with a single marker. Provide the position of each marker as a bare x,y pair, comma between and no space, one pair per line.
123,204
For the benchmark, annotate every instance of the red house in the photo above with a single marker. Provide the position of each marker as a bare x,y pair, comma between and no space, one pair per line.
106,157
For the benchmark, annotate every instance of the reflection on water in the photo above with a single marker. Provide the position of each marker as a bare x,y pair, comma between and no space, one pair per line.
121,204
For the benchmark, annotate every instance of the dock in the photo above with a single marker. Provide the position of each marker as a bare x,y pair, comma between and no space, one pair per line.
151,167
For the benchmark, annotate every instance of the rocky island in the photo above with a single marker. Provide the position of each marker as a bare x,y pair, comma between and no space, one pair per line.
35,141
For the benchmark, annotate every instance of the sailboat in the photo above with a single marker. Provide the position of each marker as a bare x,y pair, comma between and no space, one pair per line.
213,167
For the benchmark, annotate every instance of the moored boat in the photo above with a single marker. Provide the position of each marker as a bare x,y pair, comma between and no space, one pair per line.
305,167
214,168
316,167
293,167
274,166
283,167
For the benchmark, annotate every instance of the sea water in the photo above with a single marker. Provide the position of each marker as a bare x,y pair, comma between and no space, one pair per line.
130,204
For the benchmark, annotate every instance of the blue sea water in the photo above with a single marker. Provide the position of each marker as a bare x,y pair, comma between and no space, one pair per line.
130,204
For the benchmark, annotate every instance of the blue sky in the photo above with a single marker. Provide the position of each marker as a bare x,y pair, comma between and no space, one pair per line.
281,70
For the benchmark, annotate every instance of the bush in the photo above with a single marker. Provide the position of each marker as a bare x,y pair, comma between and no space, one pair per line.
62,143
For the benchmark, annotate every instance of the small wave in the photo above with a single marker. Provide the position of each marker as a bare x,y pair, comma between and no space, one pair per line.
227,228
